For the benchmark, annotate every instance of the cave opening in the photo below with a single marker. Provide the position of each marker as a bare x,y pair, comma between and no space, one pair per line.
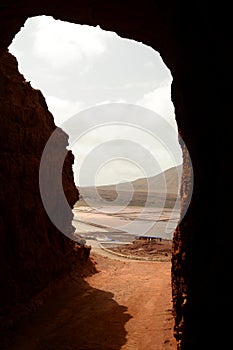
78,67
140,94
34,252
133,131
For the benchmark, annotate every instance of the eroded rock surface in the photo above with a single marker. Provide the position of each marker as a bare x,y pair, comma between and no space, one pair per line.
33,251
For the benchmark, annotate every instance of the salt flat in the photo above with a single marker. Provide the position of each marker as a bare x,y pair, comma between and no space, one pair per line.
125,224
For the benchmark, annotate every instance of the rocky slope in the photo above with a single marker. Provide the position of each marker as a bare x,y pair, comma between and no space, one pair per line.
168,180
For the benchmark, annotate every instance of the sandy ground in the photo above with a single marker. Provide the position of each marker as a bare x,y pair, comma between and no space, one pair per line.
126,305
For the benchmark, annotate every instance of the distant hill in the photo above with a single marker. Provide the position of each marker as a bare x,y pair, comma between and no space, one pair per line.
164,188
169,178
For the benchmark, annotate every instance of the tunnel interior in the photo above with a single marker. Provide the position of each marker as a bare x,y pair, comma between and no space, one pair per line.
33,251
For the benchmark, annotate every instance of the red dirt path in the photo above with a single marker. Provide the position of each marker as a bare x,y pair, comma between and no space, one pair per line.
126,305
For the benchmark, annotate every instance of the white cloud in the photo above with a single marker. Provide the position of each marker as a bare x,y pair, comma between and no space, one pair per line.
116,171
79,42
149,64
105,102
77,67
165,156
159,100
63,109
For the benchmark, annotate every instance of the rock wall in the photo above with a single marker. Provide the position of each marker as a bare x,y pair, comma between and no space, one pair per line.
201,264
33,251
194,45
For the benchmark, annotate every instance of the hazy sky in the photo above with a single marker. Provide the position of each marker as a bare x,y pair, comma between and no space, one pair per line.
77,67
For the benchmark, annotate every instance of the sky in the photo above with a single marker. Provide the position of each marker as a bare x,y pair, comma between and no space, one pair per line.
78,67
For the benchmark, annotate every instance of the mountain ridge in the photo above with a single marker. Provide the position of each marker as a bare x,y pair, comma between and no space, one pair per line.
169,179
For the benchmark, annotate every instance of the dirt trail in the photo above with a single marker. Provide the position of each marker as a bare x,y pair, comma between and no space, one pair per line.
126,305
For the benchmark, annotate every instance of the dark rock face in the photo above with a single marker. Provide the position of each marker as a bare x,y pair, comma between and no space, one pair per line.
195,47
33,251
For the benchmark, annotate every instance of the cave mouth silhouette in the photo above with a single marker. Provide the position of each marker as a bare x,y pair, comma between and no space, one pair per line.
189,42
168,201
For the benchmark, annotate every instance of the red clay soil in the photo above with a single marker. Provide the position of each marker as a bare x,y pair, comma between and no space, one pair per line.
125,305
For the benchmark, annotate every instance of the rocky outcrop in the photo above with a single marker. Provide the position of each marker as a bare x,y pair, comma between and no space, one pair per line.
196,48
33,251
